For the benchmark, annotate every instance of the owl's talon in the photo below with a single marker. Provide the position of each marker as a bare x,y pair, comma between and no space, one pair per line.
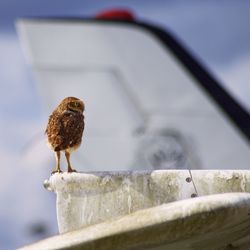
56,171
72,171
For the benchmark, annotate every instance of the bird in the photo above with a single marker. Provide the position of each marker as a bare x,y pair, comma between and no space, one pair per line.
65,129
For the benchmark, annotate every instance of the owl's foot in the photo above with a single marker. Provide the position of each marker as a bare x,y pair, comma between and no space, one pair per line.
56,171
71,170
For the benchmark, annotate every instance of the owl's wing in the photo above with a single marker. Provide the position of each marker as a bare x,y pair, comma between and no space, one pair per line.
54,130
72,122
67,119
73,126
65,129
54,124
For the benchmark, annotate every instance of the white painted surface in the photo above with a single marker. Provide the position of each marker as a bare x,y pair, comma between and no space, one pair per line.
84,199
218,222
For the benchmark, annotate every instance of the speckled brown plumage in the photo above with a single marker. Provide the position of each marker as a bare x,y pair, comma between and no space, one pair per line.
65,128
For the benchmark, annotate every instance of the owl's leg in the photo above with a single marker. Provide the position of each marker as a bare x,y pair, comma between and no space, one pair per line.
67,155
58,170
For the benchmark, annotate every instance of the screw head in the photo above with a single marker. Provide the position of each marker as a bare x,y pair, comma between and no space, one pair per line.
46,185
193,195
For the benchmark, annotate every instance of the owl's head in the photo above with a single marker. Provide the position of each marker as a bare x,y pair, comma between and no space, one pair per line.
72,103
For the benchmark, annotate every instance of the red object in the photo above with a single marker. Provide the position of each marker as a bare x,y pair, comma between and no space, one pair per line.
116,14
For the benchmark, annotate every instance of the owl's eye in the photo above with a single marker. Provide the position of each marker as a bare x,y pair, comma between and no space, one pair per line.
76,104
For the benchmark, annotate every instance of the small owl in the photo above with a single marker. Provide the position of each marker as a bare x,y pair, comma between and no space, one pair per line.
65,128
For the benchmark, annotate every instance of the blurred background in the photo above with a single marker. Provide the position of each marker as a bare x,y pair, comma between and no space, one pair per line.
216,32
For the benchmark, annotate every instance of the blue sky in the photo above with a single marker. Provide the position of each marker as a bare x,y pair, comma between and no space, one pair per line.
216,31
